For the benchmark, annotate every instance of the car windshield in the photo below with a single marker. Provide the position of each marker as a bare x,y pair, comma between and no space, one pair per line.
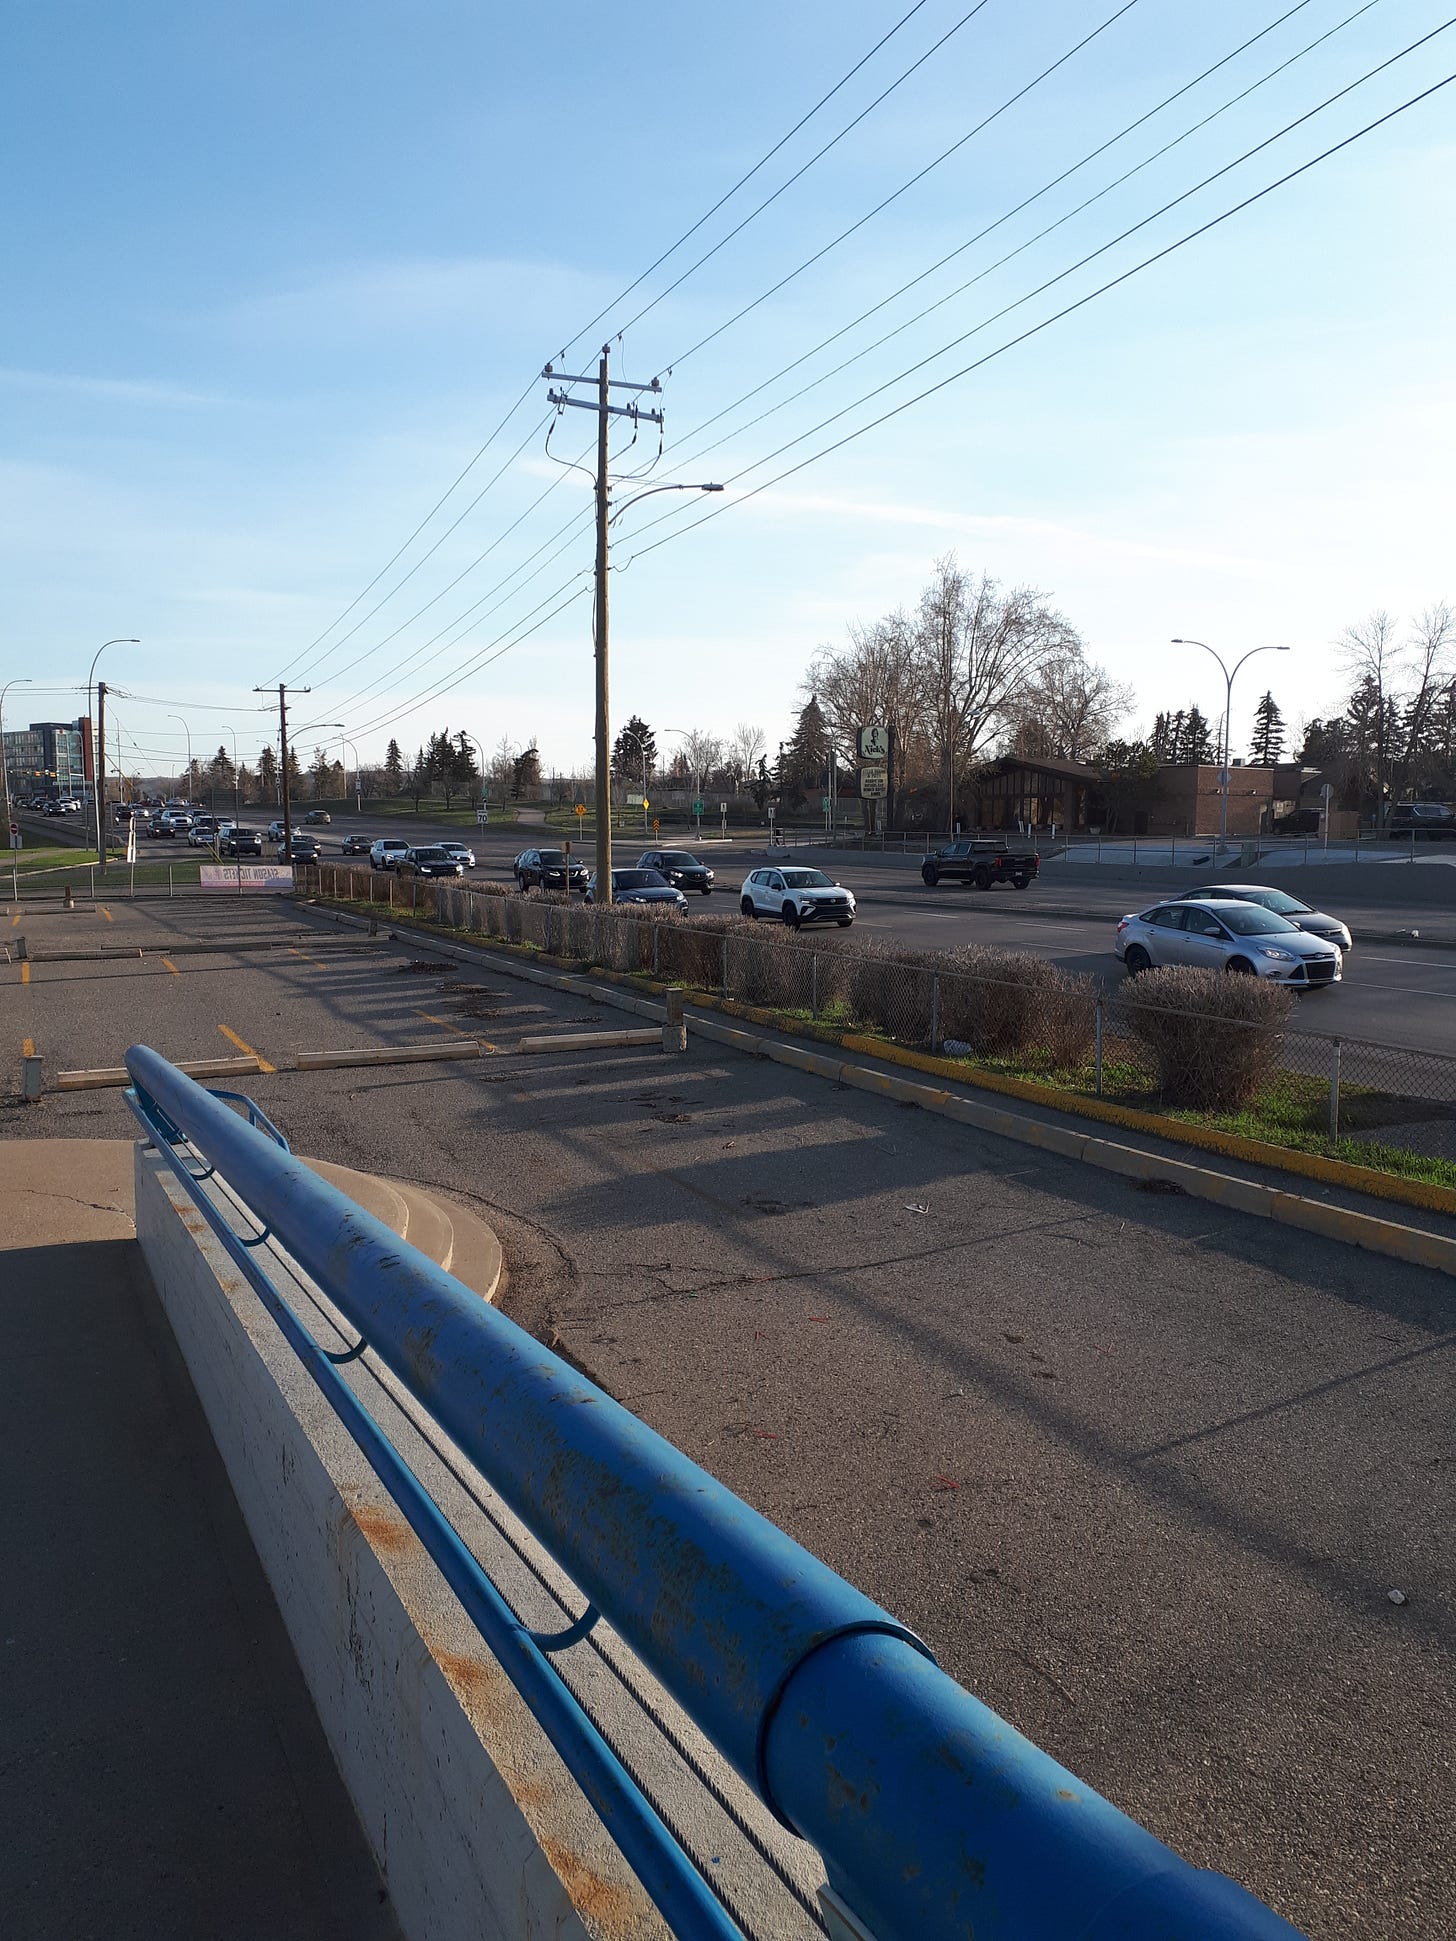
235,831
1245,920
679,859
432,856
637,879
806,879
553,858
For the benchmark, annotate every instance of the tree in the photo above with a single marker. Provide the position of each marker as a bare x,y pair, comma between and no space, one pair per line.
703,752
804,768
320,773
466,769
1197,739
745,749
220,769
1267,747
268,777
1125,769
873,680
634,754
419,777
526,778
1068,707
1369,651
394,768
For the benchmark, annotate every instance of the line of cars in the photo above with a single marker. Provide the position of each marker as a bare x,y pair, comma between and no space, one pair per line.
793,895
1247,929
433,859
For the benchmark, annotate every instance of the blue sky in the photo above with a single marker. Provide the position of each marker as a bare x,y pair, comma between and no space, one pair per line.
275,272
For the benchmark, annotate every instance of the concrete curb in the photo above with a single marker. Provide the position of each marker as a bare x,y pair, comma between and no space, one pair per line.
1390,1237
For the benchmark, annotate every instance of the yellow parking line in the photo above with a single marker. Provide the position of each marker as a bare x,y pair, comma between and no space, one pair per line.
15,920
106,913
445,1025
25,973
171,967
27,1046
233,1039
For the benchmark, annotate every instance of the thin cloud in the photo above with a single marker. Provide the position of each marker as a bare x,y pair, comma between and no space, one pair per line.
123,390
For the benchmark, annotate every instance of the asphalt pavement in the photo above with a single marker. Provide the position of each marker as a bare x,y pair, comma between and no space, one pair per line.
1143,1472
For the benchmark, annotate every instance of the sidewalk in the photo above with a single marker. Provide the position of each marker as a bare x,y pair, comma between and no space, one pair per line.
164,1772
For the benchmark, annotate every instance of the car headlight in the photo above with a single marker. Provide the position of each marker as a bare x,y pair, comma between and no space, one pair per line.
1273,950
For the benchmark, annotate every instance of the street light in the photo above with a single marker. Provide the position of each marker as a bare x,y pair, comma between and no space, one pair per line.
344,743
188,732
20,680
97,789
1228,708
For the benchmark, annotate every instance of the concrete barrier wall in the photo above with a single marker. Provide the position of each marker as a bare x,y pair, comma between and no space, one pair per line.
478,1827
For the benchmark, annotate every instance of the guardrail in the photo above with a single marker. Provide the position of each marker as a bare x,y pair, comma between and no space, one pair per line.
934,1818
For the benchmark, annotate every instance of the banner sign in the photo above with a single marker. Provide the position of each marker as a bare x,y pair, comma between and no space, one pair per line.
246,876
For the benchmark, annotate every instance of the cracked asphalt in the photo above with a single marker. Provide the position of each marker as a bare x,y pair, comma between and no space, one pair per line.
1142,1471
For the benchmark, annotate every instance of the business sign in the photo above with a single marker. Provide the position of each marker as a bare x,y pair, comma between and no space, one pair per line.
873,784
245,876
874,744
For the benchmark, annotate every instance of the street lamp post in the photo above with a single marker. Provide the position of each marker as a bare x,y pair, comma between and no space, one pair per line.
344,743
97,789
237,778
188,732
20,680
1228,676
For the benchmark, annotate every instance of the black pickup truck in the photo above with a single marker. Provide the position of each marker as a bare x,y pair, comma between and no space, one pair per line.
984,863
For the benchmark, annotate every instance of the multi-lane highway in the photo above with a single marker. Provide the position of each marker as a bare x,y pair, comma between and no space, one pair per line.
1141,1470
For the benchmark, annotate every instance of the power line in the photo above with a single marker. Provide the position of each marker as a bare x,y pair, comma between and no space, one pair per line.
743,180
904,187
818,156
404,578
1046,188
1045,323
524,398
1000,262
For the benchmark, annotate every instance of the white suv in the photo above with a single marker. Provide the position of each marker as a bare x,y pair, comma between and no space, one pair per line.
796,896
387,853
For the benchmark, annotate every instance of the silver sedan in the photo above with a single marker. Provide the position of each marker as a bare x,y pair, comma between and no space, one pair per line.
1302,915
1239,937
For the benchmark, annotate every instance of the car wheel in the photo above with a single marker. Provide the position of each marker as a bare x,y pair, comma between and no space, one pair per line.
1240,967
929,875
844,922
707,889
1020,882
982,878
1137,960
747,906
790,915
521,886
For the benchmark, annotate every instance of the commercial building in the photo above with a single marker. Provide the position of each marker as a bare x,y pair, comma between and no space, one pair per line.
49,757
1181,799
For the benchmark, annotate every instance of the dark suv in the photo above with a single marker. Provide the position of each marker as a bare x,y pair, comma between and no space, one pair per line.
983,863
545,869
1432,821
681,868
429,862
238,841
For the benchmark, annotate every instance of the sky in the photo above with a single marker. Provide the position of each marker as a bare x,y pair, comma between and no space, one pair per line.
277,276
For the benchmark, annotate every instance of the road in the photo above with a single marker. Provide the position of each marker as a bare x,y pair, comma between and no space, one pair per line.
1394,993
1141,1471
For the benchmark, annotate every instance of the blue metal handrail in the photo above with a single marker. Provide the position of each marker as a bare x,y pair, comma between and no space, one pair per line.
935,1819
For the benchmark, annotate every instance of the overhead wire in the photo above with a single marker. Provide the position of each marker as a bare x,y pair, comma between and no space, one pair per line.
743,180
1055,182
1045,323
905,187
950,295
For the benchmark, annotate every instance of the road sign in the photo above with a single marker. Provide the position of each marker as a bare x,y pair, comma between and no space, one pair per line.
824,803
581,808
722,808
873,784
698,807
874,743
656,825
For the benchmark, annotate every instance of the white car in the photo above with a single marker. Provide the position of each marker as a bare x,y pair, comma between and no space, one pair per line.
203,833
1238,937
387,853
795,895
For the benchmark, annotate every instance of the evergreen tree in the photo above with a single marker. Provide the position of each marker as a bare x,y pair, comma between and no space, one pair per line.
267,777
295,774
1197,741
320,773
805,764
1267,747
467,770
1125,769
634,753
394,768
1160,742
220,770
419,777
526,779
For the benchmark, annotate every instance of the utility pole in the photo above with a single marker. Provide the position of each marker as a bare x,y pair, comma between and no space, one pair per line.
283,757
98,780
605,411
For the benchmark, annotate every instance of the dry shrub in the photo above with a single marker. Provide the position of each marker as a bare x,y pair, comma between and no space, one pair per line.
689,952
1215,1038
1008,1004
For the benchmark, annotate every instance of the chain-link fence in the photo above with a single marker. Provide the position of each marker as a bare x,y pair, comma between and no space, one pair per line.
1008,1012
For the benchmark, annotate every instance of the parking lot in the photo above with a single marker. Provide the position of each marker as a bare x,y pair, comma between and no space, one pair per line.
1143,1472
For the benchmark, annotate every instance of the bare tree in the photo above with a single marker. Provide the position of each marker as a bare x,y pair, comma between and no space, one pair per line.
1371,653
873,679
704,752
745,747
1429,651
1068,708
